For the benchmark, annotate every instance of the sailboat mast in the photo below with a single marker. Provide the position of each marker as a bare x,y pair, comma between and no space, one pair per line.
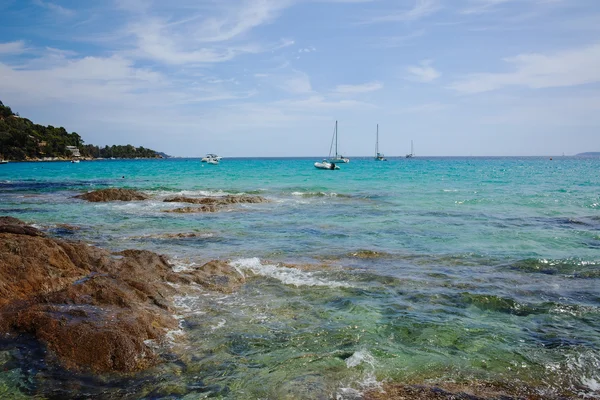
412,151
377,142
336,153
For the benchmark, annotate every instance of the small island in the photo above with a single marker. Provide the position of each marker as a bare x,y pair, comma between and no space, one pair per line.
23,140
589,154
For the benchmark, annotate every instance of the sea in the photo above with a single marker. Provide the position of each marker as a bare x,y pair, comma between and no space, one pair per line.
410,271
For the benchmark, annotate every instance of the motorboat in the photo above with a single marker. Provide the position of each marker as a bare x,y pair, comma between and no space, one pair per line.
211,156
326,165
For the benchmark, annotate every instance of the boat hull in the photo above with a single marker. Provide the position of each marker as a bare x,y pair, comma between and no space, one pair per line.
326,165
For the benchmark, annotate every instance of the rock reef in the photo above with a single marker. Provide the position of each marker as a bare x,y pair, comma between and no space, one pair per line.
92,310
112,194
211,204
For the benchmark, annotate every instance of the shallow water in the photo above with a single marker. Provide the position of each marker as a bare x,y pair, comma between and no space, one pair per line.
422,270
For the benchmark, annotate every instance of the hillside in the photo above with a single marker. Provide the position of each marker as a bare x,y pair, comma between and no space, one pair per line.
23,140
589,154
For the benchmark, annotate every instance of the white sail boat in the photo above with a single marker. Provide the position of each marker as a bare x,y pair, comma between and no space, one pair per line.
378,156
412,151
338,158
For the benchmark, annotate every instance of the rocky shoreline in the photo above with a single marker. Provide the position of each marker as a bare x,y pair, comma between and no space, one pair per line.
89,312
92,310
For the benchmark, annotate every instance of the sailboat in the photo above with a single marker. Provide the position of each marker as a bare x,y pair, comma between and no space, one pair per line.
378,156
412,151
338,158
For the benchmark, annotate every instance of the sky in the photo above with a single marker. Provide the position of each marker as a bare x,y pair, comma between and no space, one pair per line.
268,78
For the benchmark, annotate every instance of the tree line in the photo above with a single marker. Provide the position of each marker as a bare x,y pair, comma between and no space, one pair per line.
21,139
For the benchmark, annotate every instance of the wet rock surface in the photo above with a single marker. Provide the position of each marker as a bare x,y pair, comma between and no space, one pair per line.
211,204
217,201
453,391
92,310
112,194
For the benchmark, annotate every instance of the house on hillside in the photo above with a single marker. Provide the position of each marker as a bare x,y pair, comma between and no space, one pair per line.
74,151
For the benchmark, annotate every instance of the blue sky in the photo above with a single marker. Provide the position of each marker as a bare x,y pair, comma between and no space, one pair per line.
270,77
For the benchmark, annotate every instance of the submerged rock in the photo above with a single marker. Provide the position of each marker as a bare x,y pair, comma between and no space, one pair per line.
189,210
217,201
91,309
454,391
211,204
112,194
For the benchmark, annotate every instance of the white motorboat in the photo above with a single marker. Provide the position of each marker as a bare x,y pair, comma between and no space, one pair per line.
378,156
3,161
326,165
211,156
213,161
337,158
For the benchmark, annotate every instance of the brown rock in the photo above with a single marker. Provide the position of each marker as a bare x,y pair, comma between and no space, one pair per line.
218,201
218,275
112,195
453,391
189,210
93,310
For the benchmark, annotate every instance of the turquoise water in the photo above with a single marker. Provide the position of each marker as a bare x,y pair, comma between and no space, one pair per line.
421,270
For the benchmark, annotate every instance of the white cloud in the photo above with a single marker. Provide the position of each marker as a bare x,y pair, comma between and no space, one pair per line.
297,83
17,47
65,12
424,72
362,88
421,9
566,68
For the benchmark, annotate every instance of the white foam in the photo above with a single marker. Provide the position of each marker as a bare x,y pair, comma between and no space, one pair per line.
359,357
181,266
288,276
219,325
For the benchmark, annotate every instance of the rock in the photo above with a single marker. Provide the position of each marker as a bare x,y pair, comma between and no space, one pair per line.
453,391
112,195
189,210
211,204
218,201
92,310
218,275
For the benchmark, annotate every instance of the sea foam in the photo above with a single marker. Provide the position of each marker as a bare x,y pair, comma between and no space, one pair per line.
288,276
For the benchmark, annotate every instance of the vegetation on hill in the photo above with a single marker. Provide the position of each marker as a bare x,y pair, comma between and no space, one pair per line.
21,139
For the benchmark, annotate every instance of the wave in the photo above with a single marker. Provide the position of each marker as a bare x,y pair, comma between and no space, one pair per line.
286,275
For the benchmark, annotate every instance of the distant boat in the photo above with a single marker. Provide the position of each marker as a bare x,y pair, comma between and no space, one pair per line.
3,161
412,151
378,156
75,161
213,161
211,156
337,158
326,165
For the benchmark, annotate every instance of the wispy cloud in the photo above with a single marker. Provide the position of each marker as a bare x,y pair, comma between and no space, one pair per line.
296,83
566,68
197,37
421,9
55,8
423,72
361,88
483,6
16,47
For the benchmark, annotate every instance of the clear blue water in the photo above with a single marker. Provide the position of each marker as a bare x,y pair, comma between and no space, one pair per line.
424,269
